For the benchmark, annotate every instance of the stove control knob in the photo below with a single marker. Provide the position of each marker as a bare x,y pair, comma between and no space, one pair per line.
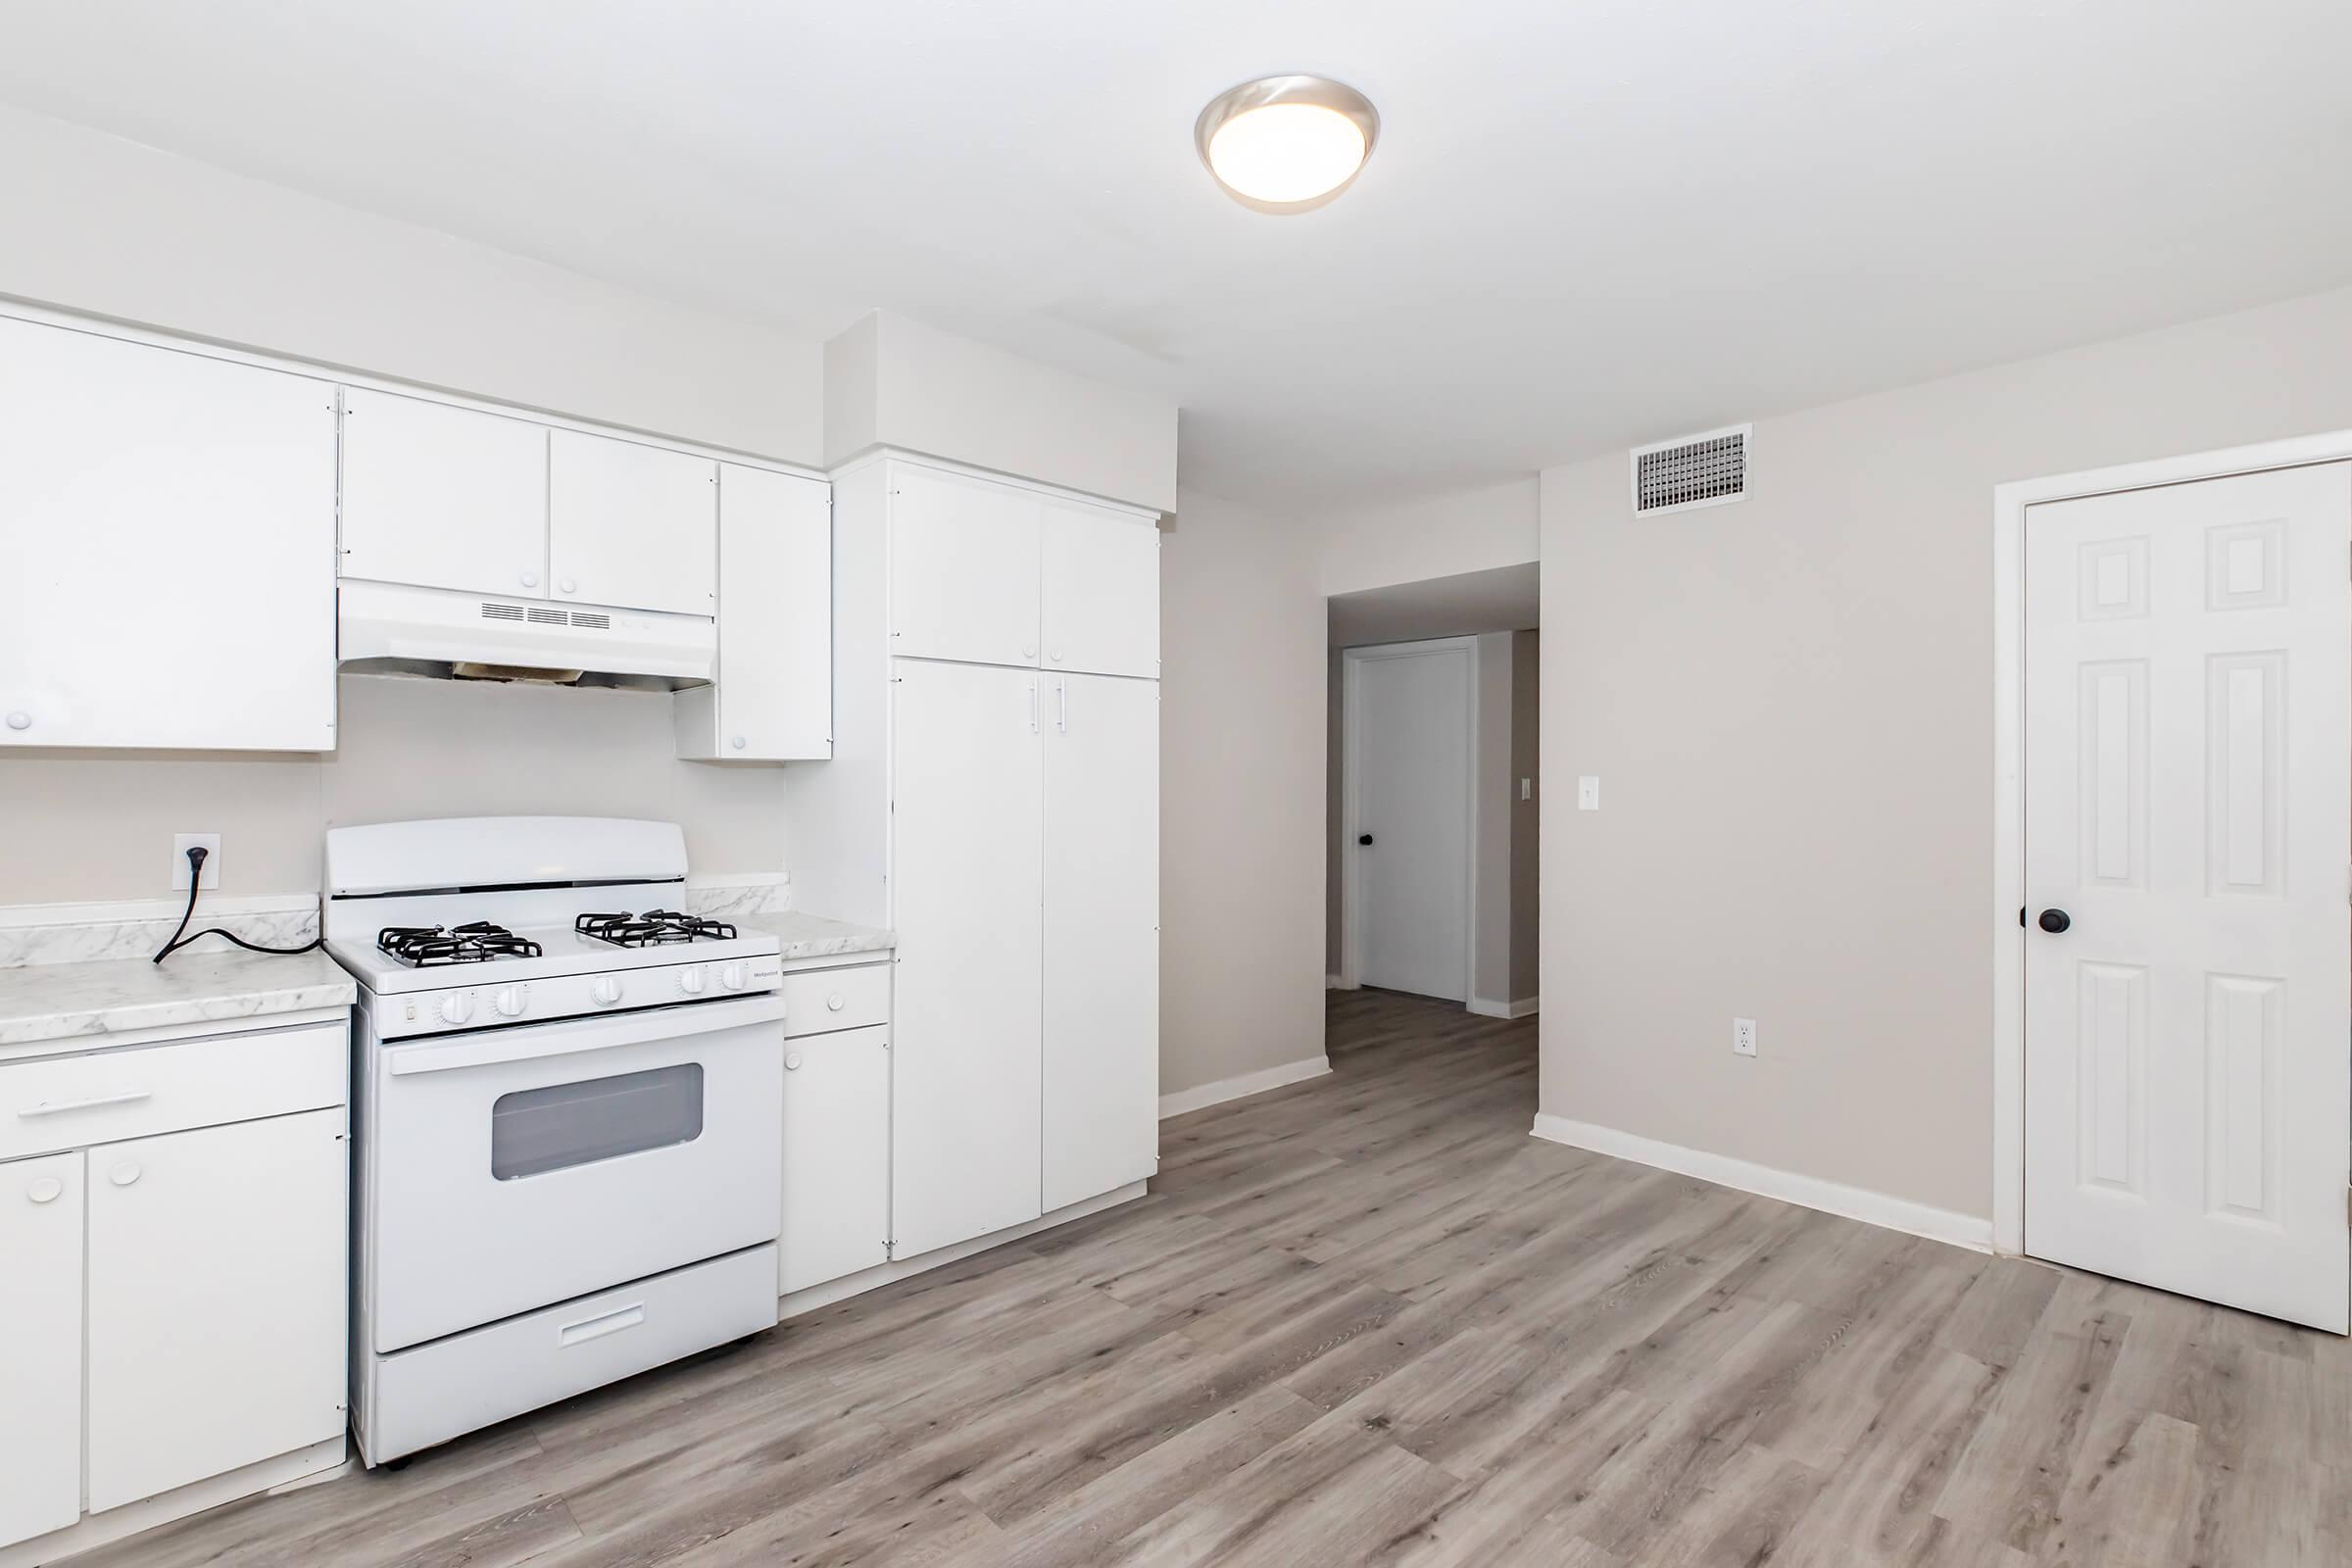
607,990
457,1006
730,975
691,980
509,1000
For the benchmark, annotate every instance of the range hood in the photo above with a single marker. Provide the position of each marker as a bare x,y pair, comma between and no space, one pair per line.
393,629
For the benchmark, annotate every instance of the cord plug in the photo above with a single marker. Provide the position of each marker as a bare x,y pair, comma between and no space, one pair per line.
196,855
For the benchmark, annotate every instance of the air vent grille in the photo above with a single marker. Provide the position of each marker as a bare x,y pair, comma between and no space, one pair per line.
1699,471
502,611
583,617
548,618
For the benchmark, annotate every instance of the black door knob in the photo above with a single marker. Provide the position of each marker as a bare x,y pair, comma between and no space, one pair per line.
2055,921
1363,838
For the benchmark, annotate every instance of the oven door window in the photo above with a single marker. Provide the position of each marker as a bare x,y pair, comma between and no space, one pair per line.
535,1131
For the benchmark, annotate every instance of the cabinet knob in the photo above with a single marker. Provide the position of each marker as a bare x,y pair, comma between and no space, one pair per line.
45,1190
1028,649
530,579
738,743
1057,656
20,720
834,1003
792,1061
125,1174
567,585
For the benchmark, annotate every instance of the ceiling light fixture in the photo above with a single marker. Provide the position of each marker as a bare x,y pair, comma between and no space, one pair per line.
1287,144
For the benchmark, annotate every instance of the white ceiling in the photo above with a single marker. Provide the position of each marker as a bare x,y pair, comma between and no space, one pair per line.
1585,224
1504,598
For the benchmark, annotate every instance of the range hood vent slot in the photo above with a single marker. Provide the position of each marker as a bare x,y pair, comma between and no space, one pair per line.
502,611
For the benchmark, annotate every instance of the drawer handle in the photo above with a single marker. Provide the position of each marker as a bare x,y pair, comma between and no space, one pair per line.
53,1108
596,1328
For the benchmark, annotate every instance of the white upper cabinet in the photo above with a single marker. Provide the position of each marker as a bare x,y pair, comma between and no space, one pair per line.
631,526
1101,591
773,699
442,496
167,548
964,567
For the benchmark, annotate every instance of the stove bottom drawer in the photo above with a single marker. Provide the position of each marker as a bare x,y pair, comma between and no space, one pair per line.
416,1398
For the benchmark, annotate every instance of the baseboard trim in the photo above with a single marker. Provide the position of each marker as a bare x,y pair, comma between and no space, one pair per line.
1524,1007
1811,1192
1250,1082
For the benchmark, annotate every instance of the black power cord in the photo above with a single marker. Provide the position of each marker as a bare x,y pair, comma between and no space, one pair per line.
196,855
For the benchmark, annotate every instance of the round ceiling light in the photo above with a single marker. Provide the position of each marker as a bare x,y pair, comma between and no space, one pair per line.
1287,144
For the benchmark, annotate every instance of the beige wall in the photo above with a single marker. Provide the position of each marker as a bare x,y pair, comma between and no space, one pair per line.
1789,705
1527,728
1243,668
1434,536
95,223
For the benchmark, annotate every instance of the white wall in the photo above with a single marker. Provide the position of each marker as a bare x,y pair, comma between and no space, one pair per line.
893,381
1243,732
95,223
1789,705
1434,536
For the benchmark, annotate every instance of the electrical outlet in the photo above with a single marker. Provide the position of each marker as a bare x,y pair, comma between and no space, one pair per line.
1744,1037
181,843
1588,794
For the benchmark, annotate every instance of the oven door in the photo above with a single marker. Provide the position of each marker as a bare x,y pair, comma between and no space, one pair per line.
518,1167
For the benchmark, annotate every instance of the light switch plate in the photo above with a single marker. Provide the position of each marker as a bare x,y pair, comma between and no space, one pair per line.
181,842
1587,793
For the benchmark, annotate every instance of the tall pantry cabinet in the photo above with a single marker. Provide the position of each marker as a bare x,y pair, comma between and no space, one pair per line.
993,798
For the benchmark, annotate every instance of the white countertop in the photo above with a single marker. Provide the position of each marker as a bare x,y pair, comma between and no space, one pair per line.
108,996
813,936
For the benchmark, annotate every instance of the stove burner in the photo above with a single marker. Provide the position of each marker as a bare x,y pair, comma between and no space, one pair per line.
429,947
652,929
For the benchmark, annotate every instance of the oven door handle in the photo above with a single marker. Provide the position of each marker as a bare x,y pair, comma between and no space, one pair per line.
574,1036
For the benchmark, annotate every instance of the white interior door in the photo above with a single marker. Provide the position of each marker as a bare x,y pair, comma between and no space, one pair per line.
1410,748
631,526
966,872
1102,933
964,567
441,497
40,1345
2188,786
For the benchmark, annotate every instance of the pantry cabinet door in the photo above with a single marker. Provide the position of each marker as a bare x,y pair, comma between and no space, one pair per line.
443,497
167,548
836,1157
1102,936
965,876
40,1345
1101,591
631,526
217,1283
964,567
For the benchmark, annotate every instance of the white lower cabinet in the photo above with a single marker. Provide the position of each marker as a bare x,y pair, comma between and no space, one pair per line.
40,1345
836,1157
215,1300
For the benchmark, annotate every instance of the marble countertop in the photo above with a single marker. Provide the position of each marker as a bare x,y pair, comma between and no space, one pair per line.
813,936
109,996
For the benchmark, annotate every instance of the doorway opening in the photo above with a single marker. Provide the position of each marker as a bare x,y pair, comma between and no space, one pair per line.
1434,798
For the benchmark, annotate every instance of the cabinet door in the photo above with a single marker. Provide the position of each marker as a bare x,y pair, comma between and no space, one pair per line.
966,776
1102,936
1101,591
40,1345
836,1157
963,564
442,496
776,617
631,526
167,548
217,1268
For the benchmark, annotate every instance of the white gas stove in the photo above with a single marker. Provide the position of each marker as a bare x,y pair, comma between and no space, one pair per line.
568,1115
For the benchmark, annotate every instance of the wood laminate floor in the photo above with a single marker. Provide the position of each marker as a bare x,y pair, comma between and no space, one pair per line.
1368,1319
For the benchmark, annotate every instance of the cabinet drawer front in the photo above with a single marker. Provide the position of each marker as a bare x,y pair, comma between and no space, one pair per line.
104,1096
818,1002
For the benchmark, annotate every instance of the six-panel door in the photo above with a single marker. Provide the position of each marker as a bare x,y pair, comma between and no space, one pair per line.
166,576
966,869
964,567
40,1345
442,498
217,1327
631,526
836,1157
1101,592
1102,936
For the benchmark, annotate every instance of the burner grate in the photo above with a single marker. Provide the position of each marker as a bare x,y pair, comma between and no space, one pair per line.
653,928
429,947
